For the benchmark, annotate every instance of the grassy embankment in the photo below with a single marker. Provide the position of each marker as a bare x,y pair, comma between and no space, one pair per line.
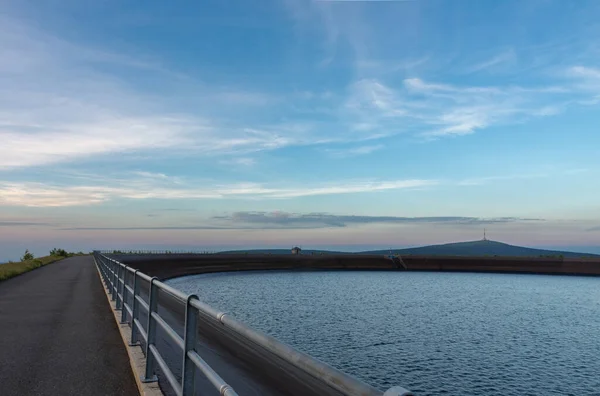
13,269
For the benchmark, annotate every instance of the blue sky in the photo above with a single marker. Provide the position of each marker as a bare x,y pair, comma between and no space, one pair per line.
342,124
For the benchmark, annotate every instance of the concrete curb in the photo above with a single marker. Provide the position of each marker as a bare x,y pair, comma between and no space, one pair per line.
135,353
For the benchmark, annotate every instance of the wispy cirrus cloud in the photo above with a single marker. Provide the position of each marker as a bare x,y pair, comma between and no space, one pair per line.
90,189
60,102
285,220
48,195
378,106
353,151
585,72
502,58
240,161
348,38
438,109
586,79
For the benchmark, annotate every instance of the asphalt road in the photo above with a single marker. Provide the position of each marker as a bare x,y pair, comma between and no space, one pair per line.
58,335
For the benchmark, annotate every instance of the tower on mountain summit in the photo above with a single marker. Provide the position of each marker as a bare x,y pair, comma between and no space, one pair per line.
484,236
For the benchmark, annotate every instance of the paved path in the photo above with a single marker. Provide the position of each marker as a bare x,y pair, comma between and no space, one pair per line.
58,335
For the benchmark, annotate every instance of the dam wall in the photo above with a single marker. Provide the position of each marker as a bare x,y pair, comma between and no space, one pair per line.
528,265
165,266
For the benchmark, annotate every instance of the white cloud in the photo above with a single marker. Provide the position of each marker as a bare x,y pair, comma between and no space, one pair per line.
152,175
586,72
62,142
376,108
351,34
37,194
240,161
49,195
548,111
586,79
372,94
463,121
354,151
58,104
435,109
357,187
508,56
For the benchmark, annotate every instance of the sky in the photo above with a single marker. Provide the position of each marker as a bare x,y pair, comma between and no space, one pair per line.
324,124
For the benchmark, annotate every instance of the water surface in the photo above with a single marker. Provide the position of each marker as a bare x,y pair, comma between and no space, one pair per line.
434,333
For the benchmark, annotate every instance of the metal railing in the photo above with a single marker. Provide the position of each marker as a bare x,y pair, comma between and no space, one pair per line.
146,251
117,277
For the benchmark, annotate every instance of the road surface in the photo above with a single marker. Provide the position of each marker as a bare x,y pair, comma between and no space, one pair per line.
58,335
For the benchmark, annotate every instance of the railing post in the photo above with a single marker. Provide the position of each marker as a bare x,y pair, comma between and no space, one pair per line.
106,274
189,344
119,302
103,269
112,280
124,299
149,375
99,263
134,310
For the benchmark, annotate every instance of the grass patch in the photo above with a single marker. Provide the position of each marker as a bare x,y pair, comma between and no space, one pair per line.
12,269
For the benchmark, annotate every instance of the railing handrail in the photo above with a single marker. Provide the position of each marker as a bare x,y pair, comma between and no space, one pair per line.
145,252
115,275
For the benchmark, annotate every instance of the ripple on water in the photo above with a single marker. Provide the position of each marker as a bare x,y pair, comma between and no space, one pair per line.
435,333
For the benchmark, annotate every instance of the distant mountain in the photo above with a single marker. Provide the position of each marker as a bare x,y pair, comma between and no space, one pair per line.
474,248
480,248
281,251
